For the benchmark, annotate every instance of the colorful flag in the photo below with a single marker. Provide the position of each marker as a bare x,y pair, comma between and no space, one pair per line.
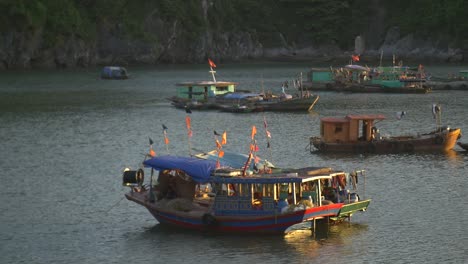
211,63
224,138
218,145
254,132
187,122
151,141
152,153
355,57
220,154
166,140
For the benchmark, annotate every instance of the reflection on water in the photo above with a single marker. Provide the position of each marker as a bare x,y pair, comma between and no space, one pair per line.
66,136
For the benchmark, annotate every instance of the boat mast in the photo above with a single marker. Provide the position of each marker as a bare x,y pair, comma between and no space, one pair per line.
213,73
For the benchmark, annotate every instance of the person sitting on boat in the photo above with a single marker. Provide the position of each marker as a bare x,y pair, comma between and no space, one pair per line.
373,133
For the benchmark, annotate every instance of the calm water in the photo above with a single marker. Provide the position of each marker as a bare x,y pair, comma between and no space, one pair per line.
66,136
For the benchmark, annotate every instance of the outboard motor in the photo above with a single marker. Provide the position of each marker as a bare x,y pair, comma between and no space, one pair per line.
133,178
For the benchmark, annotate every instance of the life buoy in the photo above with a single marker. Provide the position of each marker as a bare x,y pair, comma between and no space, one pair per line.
439,140
209,220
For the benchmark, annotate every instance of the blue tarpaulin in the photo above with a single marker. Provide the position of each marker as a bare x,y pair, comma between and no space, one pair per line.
240,95
199,169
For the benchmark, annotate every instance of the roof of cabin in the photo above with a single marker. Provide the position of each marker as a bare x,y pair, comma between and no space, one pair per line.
351,117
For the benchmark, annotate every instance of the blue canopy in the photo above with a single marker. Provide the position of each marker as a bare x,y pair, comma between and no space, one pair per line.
234,159
199,169
240,95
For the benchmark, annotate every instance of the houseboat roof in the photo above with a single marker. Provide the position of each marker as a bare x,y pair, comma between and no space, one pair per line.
269,178
206,83
352,117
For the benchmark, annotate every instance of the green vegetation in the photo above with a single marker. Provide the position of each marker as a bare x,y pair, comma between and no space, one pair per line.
298,21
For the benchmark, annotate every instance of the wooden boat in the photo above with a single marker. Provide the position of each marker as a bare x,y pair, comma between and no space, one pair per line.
230,201
359,79
222,95
114,72
357,133
342,187
463,145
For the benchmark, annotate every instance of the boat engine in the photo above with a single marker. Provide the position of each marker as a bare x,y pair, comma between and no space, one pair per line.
133,177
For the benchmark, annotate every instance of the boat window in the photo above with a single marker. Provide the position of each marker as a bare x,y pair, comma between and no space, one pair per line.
221,88
338,129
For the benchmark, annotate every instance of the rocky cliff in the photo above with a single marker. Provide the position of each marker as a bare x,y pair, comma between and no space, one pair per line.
174,40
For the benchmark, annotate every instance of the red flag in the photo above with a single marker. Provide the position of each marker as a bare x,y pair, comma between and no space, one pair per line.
254,148
152,153
166,140
212,64
355,57
220,154
224,138
187,122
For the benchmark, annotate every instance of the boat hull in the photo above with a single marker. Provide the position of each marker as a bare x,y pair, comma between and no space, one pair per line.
440,141
261,223
463,145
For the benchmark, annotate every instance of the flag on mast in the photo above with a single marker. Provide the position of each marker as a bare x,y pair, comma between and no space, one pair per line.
166,139
211,63
152,153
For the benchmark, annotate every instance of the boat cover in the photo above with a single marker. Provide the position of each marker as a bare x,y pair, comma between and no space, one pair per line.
199,169
240,96
234,159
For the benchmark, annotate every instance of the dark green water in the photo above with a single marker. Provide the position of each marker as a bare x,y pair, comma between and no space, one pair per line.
67,135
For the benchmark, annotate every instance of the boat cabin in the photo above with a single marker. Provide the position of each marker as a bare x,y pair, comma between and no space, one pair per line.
266,194
351,128
320,75
463,74
204,89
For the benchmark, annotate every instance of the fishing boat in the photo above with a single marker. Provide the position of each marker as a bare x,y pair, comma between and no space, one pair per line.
114,72
356,78
342,187
192,193
224,96
358,134
395,79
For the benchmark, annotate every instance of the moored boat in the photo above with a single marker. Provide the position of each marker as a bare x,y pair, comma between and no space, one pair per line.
114,72
224,96
231,200
357,133
341,188
363,79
